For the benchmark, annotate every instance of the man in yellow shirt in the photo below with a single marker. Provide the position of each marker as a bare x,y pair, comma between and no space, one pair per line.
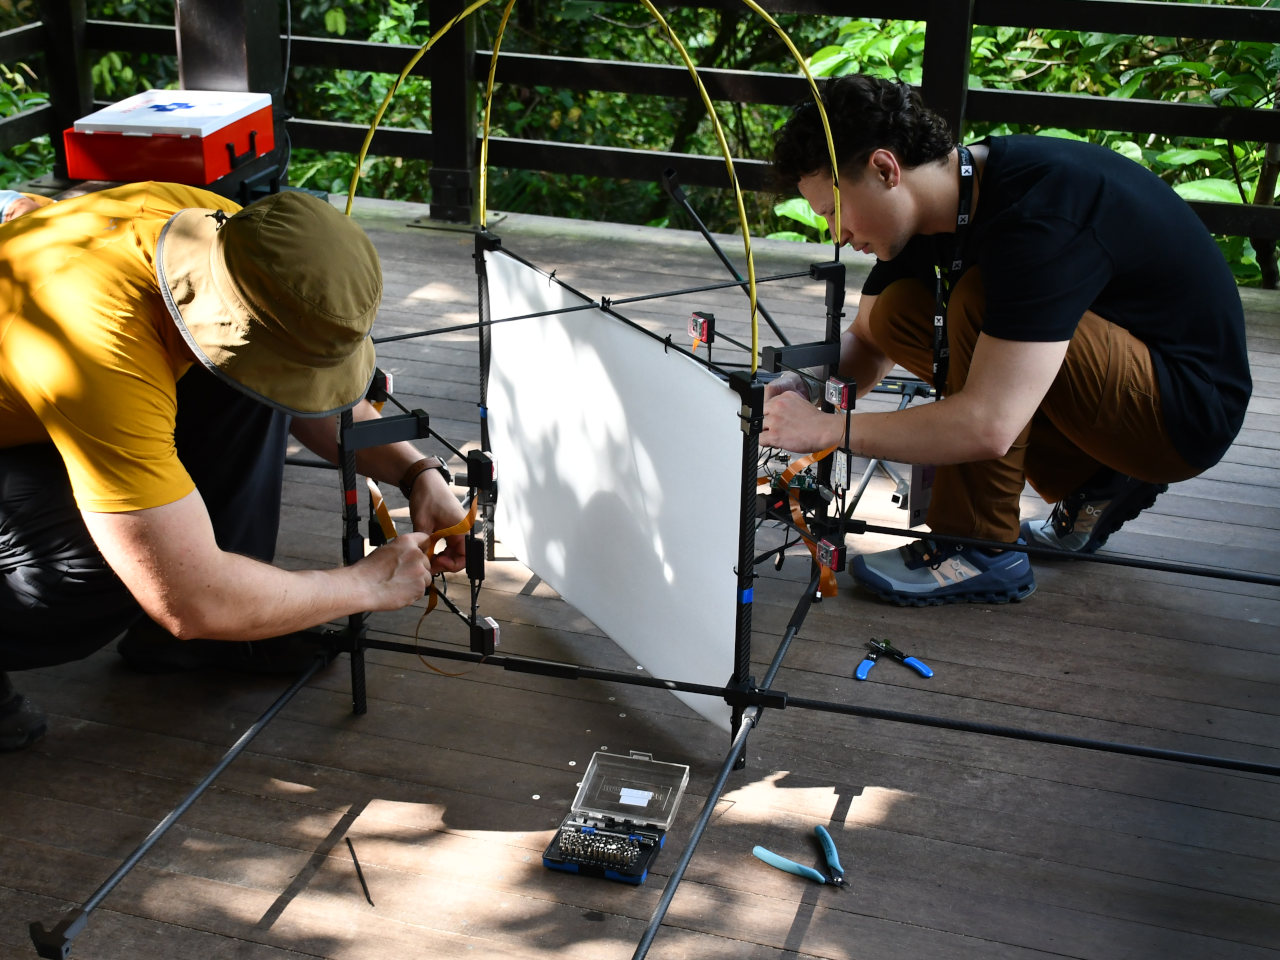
157,345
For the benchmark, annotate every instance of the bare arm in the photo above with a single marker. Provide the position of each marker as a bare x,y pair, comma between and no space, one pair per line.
432,505
168,558
1007,381
860,359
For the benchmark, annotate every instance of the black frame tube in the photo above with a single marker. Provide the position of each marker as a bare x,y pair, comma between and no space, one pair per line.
1048,553
55,942
731,762
672,187
763,696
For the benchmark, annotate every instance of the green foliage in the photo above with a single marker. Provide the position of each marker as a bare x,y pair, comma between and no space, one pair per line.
16,13
353,96
798,209
120,75
21,89
732,38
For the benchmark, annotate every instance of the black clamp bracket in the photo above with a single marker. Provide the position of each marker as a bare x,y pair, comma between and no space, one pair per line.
751,391
797,356
362,434
55,943
742,695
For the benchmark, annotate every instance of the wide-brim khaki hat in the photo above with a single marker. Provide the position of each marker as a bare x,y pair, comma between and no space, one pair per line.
277,299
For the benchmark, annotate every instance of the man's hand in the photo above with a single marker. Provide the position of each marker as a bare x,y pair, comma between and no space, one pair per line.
398,572
789,382
792,423
433,507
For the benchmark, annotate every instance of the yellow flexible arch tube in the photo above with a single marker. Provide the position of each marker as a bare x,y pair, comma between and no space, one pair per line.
386,101
733,179
822,112
488,108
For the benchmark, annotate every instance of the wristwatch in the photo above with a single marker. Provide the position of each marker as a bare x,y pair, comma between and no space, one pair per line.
420,466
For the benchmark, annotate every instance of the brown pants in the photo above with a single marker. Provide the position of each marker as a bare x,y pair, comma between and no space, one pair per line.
1103,409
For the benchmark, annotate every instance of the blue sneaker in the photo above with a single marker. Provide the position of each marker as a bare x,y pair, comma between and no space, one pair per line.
924,573
1083,521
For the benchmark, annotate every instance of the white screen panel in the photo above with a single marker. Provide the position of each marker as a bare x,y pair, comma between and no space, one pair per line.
619,468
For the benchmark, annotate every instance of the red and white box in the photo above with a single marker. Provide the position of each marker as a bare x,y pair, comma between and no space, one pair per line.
181,136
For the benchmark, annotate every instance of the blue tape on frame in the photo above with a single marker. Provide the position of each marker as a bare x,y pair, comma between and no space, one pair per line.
747,594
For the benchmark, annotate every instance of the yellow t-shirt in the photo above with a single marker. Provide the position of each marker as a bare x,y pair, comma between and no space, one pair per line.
89,355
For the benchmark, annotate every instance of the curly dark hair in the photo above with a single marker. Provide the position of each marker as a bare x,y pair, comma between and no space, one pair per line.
865,113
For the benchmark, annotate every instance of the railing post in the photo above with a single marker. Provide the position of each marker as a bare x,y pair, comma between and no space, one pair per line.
945,81
234,46
1264,193
454,176
231,45
69,77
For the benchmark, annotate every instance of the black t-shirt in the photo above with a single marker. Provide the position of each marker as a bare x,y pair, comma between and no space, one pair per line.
1063,227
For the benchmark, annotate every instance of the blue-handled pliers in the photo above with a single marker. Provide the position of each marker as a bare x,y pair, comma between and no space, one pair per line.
877,647
836,878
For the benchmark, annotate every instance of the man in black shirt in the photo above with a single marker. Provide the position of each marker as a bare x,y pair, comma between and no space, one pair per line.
1092,344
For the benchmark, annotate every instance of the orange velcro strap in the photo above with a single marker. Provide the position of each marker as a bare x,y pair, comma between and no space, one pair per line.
827,576
462,526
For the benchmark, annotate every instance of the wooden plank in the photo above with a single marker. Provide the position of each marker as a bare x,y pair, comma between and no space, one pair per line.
959,845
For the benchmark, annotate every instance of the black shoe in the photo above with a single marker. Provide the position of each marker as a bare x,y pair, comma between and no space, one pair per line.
21,724
149,648
1082,522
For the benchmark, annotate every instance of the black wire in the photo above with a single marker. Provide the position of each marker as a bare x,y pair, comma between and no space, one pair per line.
603,304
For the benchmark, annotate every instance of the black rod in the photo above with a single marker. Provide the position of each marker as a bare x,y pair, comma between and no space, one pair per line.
56,941
352,551
1048,553
572,671
707,288
699,828
672,187
751,393
1036,736
605,302
749,721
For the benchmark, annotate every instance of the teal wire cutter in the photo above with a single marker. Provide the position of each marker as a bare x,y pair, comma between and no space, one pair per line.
877,647
835,878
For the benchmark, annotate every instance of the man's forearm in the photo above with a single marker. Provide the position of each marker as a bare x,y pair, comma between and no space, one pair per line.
386,463
168,558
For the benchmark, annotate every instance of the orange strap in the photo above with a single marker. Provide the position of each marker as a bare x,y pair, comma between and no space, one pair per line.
388,526
380,509
827,576
462,526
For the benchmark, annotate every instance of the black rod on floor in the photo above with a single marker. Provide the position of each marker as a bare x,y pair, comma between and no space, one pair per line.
1037,736
55,942
1048,553
749,721
764,697
604,302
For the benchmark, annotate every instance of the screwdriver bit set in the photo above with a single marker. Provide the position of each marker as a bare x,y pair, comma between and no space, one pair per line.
620,817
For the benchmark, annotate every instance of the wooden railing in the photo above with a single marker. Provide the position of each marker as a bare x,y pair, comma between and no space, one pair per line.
67,41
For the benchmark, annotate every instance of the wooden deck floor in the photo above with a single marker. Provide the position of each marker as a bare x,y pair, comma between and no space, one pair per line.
446,792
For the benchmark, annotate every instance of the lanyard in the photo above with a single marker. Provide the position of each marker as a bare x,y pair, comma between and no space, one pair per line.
948,274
